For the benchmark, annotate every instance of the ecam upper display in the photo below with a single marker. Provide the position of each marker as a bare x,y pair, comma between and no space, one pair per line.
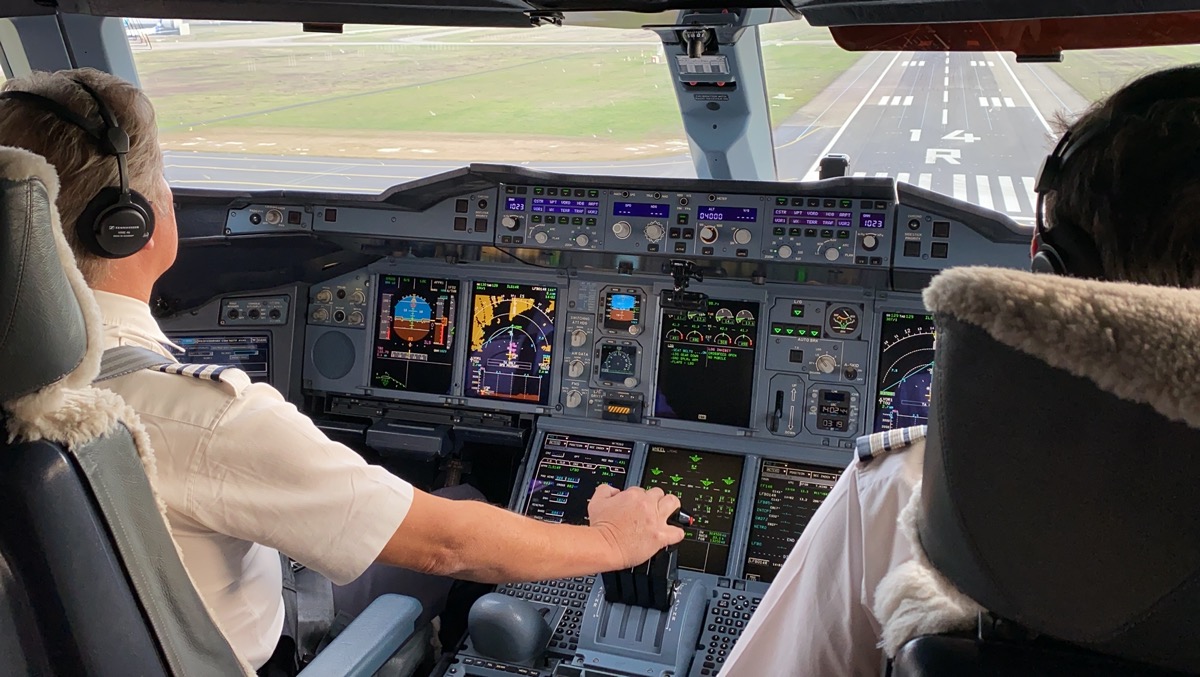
706,363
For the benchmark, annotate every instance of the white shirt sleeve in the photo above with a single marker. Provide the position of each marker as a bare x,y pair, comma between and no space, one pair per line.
816,618
268,475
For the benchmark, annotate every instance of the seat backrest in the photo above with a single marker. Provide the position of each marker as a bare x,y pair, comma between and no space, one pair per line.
1061,458
91,582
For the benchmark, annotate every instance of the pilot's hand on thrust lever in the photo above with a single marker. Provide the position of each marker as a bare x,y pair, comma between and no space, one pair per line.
634,522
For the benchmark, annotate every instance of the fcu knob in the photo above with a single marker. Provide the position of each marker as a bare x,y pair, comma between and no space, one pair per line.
654,231
870,242
582,239
708,234
742,236
575,368
785,252
541,237
832,254
826,364
511,221
622,230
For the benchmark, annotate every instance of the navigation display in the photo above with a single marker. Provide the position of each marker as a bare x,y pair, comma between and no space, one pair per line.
707,485
787,496
569,468
512,342
905,370
414,334
249,352
706,363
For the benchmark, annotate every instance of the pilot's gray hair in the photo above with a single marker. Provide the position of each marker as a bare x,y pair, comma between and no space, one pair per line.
83,169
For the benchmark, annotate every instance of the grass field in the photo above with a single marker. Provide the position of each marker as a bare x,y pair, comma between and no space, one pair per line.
1098,73
603,92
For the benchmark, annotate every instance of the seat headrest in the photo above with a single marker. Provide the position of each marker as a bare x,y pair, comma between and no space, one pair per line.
42,328
1061,458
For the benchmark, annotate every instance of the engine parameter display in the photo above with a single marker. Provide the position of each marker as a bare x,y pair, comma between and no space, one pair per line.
512,342
414,334
905,370
787,497
706,363
707,484
569,468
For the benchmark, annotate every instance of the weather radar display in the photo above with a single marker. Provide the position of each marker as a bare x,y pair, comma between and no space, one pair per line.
512,342
414,336
905,370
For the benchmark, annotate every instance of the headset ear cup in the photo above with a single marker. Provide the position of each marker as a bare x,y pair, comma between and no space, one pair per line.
113,225
1046,260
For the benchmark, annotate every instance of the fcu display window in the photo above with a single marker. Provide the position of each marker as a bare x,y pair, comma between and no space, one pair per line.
569,468
249,352
906,347
414,334
512,342
785,500
706,363
707,484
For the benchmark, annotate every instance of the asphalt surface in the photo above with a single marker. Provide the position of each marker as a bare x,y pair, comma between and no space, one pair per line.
970,125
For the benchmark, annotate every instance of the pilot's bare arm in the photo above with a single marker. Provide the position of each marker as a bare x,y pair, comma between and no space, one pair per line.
479,542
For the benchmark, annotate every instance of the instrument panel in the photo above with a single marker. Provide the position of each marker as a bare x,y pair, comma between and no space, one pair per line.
742,391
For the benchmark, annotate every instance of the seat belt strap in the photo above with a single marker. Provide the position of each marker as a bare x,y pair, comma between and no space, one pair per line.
125,360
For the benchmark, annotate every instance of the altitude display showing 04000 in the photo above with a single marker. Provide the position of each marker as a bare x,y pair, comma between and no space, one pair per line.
905,370
512,342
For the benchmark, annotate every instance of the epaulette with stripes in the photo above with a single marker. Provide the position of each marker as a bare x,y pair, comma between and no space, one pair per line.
870,447
227,375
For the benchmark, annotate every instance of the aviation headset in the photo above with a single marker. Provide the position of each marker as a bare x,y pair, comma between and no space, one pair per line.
118,221
1065,249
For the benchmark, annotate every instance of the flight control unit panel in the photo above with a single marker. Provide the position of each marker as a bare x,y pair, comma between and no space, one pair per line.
725,341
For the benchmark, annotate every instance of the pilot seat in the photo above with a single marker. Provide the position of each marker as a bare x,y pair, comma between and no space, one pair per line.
91,582
1056,519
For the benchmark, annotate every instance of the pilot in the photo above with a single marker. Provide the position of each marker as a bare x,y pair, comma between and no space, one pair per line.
1130,184
246,476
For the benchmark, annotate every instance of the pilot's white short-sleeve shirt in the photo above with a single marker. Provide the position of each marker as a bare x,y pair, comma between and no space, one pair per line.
816,619
245,476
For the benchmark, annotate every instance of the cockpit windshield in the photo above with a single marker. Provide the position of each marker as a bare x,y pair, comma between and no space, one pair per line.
268,106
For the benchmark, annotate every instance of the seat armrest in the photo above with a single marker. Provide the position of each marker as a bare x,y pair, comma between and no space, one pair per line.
369,641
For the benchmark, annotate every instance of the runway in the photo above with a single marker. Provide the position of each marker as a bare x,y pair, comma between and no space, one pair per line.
971,125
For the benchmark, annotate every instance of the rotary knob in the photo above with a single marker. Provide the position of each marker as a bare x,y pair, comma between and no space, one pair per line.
574,399
355,317
541,237
826,364
578,338
870,242
708,234
274,217
785,251
358,297
511,221
324,296
622,230
575,368
654,231
832,254
742,236
582,239
320,315
631,382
